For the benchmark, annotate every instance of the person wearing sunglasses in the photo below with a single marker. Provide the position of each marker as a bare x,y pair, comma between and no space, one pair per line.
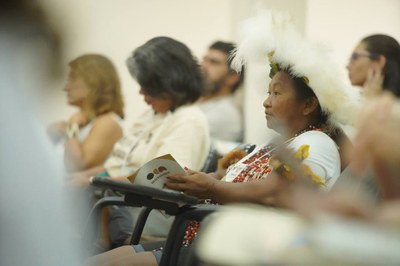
375,65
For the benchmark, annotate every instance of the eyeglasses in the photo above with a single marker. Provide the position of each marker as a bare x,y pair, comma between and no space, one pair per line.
355,56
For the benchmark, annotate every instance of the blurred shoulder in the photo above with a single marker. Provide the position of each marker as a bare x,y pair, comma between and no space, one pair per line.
109,119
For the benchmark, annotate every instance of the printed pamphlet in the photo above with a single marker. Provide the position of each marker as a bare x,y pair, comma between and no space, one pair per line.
155,172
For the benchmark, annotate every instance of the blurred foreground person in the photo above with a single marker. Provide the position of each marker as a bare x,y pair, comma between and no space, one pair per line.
33,221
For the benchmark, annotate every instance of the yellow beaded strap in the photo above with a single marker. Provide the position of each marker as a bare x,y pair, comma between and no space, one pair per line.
285,169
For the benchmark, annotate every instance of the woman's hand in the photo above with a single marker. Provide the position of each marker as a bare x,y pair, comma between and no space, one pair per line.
56,131
196,184
79,118
374,84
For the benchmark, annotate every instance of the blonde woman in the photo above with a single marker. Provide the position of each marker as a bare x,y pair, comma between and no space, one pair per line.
89,135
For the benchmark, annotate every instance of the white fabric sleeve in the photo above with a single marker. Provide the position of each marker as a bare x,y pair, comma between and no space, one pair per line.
323,159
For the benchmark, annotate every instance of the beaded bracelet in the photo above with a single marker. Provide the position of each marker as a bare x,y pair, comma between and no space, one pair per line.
72,131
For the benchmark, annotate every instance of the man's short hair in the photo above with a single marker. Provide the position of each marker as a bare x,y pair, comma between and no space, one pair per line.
225,47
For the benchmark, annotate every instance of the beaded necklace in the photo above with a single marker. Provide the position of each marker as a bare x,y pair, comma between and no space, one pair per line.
258,164
318,127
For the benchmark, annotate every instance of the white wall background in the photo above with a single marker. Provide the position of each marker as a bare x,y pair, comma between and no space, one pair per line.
116,27
342,23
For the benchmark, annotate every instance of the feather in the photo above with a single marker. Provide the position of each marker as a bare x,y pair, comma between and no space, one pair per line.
272,36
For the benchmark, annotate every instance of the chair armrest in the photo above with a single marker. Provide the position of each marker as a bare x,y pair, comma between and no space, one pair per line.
176,203
170,201
145,192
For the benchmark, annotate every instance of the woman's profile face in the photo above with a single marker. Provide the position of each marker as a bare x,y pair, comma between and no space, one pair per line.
359,64
282,109
77,90
160,104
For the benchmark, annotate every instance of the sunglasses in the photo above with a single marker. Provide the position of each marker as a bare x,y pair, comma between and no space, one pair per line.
355,56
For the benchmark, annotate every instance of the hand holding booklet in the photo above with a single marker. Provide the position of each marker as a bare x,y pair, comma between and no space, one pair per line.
155,172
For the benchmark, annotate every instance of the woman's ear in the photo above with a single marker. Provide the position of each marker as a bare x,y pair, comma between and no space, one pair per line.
310,105
381,62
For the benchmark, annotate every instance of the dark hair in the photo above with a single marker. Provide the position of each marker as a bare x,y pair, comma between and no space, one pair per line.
225,47
380,44
163,66
303,92
228,48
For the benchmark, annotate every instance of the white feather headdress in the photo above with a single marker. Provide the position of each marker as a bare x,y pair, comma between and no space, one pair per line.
273,36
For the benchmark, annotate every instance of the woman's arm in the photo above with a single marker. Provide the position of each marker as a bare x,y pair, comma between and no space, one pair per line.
82,179
205,186
377,143
264,191
95,148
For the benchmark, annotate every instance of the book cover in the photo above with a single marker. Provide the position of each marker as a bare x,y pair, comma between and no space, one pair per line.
155,172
